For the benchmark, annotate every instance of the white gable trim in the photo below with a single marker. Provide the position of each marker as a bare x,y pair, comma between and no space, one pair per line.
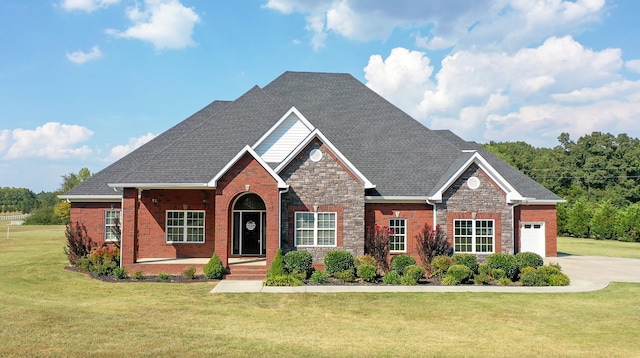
317,134
292,110
511,193
91,198
247,149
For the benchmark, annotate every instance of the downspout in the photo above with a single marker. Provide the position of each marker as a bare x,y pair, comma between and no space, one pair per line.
280,216
513,223
435,222
121,222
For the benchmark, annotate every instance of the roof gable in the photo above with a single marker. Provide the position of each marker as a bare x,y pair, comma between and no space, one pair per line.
246,150
281,139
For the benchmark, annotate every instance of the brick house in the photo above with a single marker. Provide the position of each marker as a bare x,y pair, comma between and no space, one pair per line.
307,163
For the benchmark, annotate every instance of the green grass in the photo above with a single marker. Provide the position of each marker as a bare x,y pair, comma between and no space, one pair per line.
48,311
591,247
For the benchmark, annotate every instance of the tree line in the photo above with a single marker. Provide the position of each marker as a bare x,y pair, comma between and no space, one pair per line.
598,175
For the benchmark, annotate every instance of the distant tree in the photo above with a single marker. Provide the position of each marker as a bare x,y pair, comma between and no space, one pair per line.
17,200
43,216
579,217
69,181
603,222
628,223
63,211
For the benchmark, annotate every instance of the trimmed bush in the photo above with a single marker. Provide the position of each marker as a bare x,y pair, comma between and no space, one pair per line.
336,261
504,281
120,273
559,279
298,261
391,278
484,269
528,259
498,274
407,280
214,268
399,262
364,260
440,265
319,276
346,275
283,280
415,271
367,272
461,273
540,276
138,275
504,261
469,260
189,273
481,279
163,276
450,281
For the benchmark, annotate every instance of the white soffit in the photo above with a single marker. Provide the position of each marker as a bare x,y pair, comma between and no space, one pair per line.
284,137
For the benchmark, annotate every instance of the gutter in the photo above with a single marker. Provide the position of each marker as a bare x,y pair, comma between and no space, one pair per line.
286,190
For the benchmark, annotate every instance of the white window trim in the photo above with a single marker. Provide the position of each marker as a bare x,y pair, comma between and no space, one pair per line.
473,236
315,228
185,227
404,236
106,226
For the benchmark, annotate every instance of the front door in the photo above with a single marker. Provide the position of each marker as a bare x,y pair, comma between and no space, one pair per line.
251,228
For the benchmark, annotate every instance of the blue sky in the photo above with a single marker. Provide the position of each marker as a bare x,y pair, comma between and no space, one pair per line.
83,82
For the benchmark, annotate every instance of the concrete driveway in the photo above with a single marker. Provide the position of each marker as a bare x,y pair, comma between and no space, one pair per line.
597,270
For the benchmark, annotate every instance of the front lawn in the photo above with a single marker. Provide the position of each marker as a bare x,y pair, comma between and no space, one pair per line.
48,311
592,247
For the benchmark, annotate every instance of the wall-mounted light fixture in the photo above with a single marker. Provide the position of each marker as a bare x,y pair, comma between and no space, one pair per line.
154,201
204,201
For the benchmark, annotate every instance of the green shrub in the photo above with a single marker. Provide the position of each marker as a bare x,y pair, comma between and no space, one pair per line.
189,273
540,276
391,278
83,264
364,260
336,261
102,261
498,273
163,276
120,273
102,269
214,268
138,275
450,281
484,269
415,271
407,280
346,275
298,261
528,259
461,273
548,270
277,266
469,260
504,281
556,265
367,272
399,262
559,279
319,277
440,265
504,261
283,280
481,279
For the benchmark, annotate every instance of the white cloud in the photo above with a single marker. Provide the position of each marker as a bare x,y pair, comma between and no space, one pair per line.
120,151
52,140
633,65
167,24
503,24
482,95
86,5
81,57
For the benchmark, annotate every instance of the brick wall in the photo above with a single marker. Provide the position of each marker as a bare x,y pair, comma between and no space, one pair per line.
233,184
330,186
416,216
91,215
539,213
488,201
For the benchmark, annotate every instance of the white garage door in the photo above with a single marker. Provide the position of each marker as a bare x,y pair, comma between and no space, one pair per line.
532,238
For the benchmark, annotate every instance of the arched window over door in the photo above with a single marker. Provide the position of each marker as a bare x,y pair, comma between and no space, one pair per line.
249,226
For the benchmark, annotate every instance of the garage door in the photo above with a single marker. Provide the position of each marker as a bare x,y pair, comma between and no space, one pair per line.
532,238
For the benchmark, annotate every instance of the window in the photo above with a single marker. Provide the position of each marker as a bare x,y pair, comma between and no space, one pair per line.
474,236
397,235
112,225
315,229
185,226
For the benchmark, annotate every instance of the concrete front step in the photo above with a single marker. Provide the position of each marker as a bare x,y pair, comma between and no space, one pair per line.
246,273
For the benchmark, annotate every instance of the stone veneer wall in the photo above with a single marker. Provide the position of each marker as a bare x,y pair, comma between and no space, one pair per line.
487,201
329,185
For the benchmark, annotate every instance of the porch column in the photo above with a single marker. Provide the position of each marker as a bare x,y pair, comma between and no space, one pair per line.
129,226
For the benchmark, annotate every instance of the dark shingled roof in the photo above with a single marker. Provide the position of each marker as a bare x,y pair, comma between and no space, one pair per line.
394,151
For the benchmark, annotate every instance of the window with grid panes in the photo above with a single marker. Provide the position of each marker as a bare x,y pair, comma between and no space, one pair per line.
315,229
397,235
185,226
473,236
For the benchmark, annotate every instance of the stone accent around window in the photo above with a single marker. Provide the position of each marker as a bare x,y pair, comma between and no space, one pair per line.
325,185
488,201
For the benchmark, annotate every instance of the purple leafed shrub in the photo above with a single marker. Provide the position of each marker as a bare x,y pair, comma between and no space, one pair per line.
431,243
79,244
